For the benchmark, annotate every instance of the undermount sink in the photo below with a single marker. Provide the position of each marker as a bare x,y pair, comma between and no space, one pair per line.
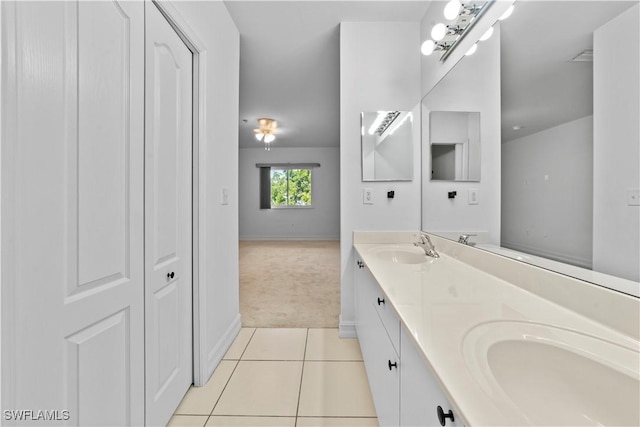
401,255
555,376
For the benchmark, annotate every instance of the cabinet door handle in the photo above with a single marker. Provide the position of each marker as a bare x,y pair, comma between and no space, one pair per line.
380,301
360,264
393,365
170,275
442,417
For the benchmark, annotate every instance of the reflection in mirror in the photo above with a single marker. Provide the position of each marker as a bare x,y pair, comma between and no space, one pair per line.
387,146
570,141
454,137
465,104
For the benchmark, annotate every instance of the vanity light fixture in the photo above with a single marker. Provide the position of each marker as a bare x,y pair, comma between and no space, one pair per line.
487,35
452,9
428,47
408,116
386,122
439,31
464,15
507,13
267,128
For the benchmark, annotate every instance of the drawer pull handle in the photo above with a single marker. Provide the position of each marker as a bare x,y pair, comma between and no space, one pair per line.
393,365
380,301
170,275
442,417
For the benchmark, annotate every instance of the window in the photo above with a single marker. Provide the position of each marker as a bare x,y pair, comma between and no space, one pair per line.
285,185
290,187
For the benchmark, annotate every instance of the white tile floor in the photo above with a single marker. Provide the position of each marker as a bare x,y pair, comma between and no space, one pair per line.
283,377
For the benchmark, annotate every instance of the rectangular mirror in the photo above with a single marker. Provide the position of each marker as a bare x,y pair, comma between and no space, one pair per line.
454,137
387,145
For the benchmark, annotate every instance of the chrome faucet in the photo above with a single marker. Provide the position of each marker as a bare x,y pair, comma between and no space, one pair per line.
464,239
425,243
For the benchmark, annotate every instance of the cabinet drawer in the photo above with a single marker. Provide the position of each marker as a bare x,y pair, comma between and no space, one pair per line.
388,317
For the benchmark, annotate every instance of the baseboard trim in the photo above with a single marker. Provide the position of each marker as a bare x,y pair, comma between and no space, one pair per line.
347,329
221,347
260,238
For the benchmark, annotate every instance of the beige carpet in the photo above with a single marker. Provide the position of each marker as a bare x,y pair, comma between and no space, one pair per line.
290,283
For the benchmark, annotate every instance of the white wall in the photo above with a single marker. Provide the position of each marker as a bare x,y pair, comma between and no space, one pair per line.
473,85
547,193
219,301
616,147
322,221
379,70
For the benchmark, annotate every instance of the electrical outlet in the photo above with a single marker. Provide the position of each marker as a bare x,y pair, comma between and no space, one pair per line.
473,196
367,196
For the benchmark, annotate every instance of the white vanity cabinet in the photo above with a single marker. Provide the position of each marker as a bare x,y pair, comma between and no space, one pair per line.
380,357
420,394
404,391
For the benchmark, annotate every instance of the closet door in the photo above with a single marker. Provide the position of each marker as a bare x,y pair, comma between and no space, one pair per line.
72,205
168,174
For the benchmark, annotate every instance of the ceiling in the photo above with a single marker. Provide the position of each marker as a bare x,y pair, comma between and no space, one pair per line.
290,64
541,86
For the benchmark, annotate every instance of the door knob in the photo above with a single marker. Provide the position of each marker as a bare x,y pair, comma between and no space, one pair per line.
170,275
442,417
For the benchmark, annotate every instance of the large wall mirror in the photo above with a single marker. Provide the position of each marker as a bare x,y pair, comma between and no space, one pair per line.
569,143
387,145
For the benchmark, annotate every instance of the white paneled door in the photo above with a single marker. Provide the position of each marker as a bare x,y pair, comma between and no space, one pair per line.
168,280
72,204
96,214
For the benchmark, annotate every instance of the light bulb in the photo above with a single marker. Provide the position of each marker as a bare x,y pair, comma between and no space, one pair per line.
452,9
487,35
507,13
438,32
427,47
472,50
259,136
269,138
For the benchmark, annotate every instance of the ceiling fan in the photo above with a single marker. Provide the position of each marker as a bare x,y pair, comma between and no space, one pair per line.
267,129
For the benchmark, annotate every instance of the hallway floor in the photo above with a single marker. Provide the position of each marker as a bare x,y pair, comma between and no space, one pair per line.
284,377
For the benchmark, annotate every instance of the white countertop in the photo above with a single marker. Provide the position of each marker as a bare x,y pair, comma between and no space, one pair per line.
443,302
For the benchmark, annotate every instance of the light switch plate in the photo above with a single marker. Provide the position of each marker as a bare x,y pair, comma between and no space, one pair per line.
473,196
633,197
367,196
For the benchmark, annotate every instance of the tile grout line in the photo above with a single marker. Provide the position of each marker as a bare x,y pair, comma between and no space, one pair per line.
304,357
229,379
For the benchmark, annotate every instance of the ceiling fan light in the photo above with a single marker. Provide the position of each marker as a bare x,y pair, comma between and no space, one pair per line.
259,136
269,138
487,35
438,32
452,9
507,13
427,47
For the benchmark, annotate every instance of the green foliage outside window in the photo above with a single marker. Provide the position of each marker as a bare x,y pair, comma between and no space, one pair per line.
290,187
